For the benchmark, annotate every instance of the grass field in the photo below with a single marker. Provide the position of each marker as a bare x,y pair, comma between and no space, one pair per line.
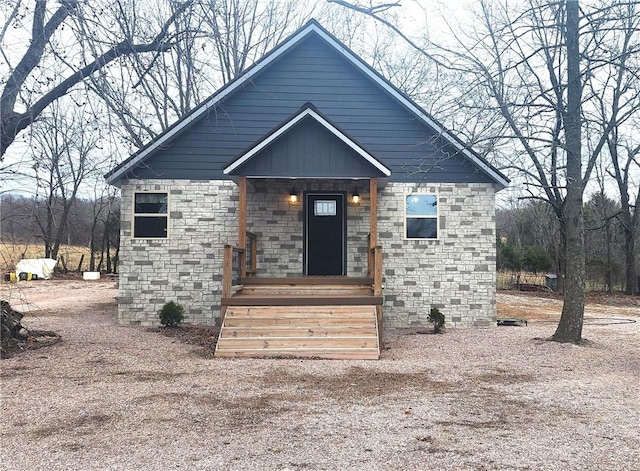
12,253
508,279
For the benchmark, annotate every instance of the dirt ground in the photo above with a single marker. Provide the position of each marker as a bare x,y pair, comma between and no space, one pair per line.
121,397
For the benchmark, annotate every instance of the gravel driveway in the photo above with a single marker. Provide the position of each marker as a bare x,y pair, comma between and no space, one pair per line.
125,398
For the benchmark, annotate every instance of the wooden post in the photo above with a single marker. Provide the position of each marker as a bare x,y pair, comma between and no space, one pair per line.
377,289
227,276
373,212
254,254
242,227
370,259
379,318
373,224
377,273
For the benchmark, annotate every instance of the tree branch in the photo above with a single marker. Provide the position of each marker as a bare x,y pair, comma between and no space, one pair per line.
41,34
373,11
13,122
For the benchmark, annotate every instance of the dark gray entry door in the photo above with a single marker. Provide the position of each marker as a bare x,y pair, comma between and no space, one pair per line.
325,234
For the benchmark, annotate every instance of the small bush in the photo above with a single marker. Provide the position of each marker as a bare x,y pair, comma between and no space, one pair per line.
437,319
171,314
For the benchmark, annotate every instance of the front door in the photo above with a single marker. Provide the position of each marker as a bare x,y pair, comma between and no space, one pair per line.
325,228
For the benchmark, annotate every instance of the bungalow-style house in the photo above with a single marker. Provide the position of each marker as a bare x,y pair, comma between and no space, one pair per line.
306,205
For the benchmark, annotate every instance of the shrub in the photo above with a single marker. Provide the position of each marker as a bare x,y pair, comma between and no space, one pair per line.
437,319
171,314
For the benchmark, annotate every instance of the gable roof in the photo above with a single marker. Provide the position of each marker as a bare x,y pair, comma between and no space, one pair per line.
311,27
307,112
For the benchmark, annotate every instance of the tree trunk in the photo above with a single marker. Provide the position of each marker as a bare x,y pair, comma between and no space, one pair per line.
561,256
608,280
108,248
92,248
570,325
630,261
116,257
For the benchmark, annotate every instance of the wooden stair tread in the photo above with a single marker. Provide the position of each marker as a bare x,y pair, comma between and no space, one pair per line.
306,291
297,307
300,322
287,331
328,354
276,300
298,314
308,280
298,343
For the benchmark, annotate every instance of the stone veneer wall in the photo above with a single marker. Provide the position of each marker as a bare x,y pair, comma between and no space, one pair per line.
455,273
186,266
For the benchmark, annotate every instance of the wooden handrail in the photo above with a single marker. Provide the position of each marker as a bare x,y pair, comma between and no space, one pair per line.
229,269
377,270
375,266
227,275
251,254
369,257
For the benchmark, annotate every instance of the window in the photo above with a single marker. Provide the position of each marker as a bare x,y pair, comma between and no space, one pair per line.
421,212
150,215
324,208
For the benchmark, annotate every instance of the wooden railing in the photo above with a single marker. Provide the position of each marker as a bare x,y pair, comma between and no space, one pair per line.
369,257
375,271
376,256
374,265
250,254
237,264
231,269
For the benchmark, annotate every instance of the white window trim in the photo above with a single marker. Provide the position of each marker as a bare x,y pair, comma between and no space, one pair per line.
134,215
436,217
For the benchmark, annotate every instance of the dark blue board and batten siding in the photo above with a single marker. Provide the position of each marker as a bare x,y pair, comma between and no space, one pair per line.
308,149
314,72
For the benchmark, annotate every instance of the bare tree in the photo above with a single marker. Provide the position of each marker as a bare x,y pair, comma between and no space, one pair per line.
147,93
571,216
614,92
65,153
624,159
243,30
31,85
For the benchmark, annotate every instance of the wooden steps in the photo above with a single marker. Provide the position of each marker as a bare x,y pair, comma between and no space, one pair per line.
324,317
324,331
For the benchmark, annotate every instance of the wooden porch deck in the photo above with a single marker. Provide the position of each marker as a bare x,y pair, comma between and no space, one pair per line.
324,317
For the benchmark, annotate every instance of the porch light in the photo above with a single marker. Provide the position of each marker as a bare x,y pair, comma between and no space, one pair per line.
293,196
355,197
